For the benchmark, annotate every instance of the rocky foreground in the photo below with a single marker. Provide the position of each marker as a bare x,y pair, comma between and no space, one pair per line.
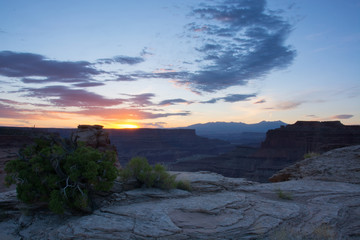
308,207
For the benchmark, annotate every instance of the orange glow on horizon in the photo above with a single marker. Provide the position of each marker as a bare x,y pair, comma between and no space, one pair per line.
127,125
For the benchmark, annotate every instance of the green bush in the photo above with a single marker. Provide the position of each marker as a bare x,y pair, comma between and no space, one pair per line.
157,176
311,155
184,185
284,195
61,173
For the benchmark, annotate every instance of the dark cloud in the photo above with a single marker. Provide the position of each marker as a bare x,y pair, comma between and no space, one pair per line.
125,78
240,41
232,98
238,97
122,60
89,84
173,102
67,97
28,65
342,116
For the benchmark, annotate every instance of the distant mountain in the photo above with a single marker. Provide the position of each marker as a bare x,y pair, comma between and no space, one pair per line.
236,132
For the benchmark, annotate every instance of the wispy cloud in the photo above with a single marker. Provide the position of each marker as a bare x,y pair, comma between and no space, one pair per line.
231,98
342,116
169,102
286,105
122,60
260,101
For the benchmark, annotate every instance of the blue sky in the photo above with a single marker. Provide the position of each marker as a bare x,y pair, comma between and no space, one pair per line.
168,63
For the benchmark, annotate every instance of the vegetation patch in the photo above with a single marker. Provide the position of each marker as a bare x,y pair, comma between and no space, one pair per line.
283,195
151,176
311,155
61,173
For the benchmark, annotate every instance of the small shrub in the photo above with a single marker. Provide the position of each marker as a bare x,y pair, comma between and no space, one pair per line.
61,173
311,155
184,185
148,176
284,195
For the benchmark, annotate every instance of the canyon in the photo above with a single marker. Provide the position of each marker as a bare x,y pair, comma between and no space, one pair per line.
316,205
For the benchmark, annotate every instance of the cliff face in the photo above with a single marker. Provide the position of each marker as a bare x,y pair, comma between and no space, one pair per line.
163,145
293,141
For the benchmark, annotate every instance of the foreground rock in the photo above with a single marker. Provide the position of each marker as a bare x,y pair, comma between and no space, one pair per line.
339,165
218,208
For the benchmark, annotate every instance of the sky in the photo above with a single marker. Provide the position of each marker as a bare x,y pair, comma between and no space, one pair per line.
171,63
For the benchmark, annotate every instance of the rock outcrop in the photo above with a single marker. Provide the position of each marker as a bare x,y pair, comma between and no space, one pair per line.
339,165
217,208
291,142
94,136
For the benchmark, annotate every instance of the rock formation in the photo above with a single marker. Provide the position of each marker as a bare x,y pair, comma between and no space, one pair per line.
281,148
94,136
217,208
340,165
291,142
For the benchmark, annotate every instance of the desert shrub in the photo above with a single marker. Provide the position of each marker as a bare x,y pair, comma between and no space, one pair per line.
284,195
147,175
61,173
184,185
310,155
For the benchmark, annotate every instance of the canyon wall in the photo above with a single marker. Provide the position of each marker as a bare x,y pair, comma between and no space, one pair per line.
163,145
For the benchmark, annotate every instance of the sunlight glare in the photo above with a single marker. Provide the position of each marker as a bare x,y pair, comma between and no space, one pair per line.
127,125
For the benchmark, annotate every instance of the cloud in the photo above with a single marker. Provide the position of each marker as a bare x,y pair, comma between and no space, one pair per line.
232,98
9,112
126,113
342,116
169,102
260,101
311,116
141,100
240,41
89,84
35,68
122,60
68,97
156,124
238,97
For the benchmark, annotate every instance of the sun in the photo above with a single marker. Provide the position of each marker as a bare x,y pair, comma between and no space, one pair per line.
127,125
